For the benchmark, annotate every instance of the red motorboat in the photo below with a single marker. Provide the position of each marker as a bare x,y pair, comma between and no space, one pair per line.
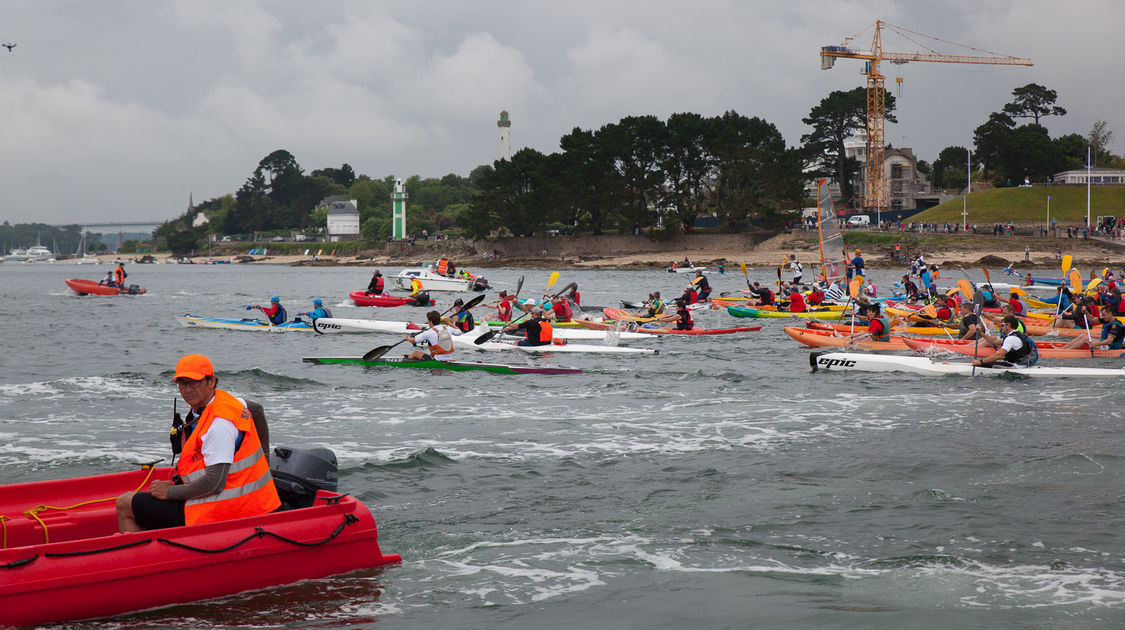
362,298
68,563
89,287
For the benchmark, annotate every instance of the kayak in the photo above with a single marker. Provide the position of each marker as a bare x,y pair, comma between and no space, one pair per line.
361,298
821,338
69,563
192,321
863,362
669,331
456,366
686,269
468,341
746,311
332,325
1046,349
89,287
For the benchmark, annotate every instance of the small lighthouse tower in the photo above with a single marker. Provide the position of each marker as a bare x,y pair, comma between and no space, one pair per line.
505,127
398,211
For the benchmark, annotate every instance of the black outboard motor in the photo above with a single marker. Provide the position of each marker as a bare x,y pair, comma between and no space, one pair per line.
480,284
422,298
134,289
299,471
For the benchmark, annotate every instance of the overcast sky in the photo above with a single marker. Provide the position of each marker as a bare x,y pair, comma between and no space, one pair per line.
117,110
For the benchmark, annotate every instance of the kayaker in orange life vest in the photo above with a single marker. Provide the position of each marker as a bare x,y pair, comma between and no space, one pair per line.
537,329
438,337
222,472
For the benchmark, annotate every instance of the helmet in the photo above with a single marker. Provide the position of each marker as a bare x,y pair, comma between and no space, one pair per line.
458,302
275,299
318,301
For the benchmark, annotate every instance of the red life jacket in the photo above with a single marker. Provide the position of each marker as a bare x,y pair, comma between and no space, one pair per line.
504,310
562,311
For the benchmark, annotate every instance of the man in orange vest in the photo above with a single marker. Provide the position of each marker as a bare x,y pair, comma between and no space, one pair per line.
224,478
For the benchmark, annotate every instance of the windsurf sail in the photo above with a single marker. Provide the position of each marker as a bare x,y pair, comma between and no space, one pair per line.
833,252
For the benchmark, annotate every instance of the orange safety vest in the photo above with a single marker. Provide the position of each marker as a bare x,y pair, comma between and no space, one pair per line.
119,275
443,266
415,286
546,333
443,336
249,490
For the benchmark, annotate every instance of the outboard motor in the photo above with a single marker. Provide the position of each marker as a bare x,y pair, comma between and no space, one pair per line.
299,471
134,289
480,284
422,298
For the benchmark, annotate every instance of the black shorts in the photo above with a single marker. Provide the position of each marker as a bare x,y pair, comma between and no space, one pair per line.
153,513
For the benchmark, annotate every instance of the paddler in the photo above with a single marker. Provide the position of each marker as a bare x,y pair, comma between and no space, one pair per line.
462,319
764,294
503,306
797,301
970,326
1016,348
1113,333
909,289
682,318
537,330
878,326
375,287
1018,305
702,286
275,311
318,310
573,295
438,337
855,266
561,309
796,269
815,296
222,472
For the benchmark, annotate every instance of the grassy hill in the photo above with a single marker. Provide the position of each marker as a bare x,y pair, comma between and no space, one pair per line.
1029,205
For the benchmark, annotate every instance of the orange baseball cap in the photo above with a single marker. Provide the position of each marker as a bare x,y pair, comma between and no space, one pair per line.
194,367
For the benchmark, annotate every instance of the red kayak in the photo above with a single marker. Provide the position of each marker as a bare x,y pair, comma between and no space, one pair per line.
68,563
89,287
361,298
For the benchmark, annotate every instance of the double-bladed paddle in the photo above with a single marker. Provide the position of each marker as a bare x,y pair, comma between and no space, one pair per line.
743,265
492,333
375,353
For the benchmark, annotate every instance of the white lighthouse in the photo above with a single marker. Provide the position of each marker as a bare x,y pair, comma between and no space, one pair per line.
505,127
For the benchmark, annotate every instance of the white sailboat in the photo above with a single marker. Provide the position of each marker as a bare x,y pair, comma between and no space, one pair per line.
833,252
85,258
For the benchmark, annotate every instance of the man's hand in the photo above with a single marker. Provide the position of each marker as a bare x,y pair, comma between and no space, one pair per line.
159,489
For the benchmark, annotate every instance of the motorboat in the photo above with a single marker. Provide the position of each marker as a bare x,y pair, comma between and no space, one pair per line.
433,281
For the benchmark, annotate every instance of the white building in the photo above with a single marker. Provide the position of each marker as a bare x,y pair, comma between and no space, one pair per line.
343,218
200,219
1096,175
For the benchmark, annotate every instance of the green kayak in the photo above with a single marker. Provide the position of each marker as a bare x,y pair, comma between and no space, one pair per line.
456,366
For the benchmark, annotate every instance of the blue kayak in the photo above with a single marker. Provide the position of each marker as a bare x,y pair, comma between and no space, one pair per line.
192,321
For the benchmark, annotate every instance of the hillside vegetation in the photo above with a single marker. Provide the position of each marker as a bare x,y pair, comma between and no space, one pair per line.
1029,205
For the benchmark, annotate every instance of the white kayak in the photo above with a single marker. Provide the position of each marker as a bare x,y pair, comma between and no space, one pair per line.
468,340
335,325
686,269
193,321
864,362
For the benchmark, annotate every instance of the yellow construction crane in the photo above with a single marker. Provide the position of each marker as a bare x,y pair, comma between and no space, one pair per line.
874,194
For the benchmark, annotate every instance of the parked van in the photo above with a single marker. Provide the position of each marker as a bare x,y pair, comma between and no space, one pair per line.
859,220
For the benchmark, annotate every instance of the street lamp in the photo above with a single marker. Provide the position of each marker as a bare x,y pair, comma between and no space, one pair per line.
1048,212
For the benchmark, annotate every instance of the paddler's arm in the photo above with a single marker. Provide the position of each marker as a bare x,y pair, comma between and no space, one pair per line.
995,356
214,479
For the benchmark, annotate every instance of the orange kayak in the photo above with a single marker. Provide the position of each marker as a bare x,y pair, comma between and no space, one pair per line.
833,339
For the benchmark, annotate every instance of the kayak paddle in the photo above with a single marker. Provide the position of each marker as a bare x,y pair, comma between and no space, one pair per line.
743,265
492,333
519,285
375,353
1066,261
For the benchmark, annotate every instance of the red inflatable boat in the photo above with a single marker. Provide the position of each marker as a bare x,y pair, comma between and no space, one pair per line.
66,562
361,298
89,287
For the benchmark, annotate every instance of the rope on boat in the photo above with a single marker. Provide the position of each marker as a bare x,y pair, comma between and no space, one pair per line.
87,552
35,511
260,532
18,563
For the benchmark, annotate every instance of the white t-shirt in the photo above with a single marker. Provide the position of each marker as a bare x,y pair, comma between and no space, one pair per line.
217,444
432,337
795,268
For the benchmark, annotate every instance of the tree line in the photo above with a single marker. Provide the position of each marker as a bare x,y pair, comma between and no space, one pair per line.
642,173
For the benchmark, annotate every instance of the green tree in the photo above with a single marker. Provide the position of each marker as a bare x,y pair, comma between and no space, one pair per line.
640,141
686,167
834,120
1100,137
949,168
755,175
1033,101
992,144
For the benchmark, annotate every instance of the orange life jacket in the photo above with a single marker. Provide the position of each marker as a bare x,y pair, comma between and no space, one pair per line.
444,337
546,333
249,488
119,276
443,266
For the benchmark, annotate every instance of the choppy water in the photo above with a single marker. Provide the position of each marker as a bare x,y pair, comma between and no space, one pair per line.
718,484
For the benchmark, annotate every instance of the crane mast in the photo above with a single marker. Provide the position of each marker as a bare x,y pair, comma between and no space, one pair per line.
874,190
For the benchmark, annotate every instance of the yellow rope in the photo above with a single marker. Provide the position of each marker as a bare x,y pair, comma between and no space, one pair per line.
4,529
35,511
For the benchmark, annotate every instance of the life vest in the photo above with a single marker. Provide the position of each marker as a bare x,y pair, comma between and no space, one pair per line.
415,285
504,310
443,267
574,296
965,327
280,317
445,342
379,285
562,311
119,276
1114,331
1027,354
464,320
944,313
546,333
797,303
693,297
1017,305
885,335
685,322
249,489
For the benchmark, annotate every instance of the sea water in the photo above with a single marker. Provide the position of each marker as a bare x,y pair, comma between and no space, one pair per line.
718,484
